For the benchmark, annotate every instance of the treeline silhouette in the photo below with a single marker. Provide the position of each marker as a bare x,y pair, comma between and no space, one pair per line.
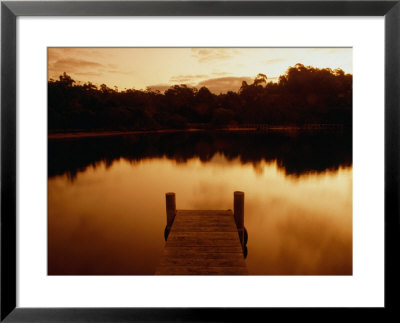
303,95
296,154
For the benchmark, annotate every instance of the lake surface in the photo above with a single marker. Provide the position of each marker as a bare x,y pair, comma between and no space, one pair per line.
106,198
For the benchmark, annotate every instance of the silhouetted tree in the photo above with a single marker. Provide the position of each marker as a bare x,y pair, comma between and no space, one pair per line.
303,95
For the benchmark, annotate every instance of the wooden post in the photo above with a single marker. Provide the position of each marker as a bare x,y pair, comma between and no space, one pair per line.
238,212
171,208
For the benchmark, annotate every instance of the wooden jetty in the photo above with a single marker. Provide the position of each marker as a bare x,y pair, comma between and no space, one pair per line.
204,242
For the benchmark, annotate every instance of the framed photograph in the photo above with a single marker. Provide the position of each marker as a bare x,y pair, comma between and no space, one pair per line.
198,160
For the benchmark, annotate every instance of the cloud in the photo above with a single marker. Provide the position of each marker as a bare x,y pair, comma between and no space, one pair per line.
220,73
224,84
87,73
74,65
274,60
192,79
187,78
212,54
115,71
60,61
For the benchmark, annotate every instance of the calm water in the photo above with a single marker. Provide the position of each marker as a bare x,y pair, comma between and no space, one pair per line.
106,198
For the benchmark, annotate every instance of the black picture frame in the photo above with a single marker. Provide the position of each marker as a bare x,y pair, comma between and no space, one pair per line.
10,10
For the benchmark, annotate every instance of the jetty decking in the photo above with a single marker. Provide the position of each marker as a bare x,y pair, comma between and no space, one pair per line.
203,242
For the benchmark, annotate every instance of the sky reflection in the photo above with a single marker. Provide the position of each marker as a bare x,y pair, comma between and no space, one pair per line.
110,219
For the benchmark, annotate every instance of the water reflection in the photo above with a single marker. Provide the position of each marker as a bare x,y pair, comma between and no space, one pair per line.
295,153
109,219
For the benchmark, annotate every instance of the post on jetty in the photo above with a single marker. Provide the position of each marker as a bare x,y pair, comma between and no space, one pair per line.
171,212
238,213
204,242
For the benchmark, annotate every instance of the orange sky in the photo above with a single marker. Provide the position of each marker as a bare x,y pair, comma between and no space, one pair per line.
220,69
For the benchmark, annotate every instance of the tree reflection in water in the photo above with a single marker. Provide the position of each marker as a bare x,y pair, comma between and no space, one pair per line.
296,153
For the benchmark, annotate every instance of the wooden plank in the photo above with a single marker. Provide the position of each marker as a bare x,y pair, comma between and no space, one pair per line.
227,260
193,239
178,252
205,212
203,242
199,270
204,218
200,218
188,218
203,235
194,225
187,251
203,228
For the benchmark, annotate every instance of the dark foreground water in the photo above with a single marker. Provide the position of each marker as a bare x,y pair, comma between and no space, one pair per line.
106,198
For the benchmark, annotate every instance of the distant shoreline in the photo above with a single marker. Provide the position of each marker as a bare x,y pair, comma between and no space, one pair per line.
81,134
85,134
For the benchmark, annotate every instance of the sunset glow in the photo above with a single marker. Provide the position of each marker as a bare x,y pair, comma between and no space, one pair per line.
287,233
219,69
137,135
